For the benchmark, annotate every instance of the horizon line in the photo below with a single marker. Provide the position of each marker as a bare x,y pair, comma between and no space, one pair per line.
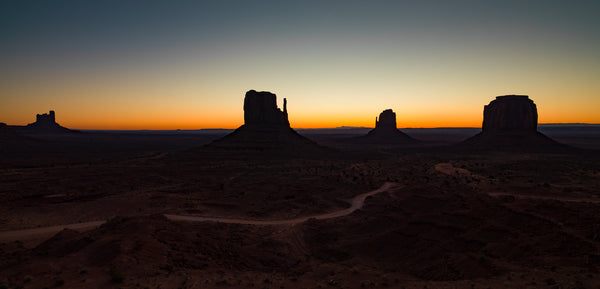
338,127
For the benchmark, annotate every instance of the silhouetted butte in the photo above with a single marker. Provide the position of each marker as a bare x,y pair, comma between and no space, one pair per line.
510,122
45,124
386,132
265,128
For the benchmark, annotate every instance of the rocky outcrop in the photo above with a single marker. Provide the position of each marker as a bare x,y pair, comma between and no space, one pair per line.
387,120
46,118
510,113
266,128
45,124
261,108
510,123
385,131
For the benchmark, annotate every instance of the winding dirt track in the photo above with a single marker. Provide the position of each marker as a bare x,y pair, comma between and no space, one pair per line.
38,233
357,203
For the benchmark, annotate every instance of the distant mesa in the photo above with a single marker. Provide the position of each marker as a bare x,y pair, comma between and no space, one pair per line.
510,113
9,133
45,124
510,122
386,132
266,127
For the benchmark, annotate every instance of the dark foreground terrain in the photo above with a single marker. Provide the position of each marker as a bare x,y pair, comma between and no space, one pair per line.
451,220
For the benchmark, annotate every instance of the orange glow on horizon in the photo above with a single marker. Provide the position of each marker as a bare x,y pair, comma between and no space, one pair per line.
232,120
151,108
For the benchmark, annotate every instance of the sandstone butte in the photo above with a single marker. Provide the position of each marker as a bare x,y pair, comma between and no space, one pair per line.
510,122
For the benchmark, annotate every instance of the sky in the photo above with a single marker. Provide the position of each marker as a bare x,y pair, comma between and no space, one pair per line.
127,64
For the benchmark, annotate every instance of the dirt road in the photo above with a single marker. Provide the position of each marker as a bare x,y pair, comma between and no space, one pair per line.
357,203
39,234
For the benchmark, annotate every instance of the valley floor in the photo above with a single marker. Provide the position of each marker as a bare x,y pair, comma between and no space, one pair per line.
453,220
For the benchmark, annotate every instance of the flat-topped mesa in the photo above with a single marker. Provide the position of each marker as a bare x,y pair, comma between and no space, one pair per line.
510,123
260,108
510,113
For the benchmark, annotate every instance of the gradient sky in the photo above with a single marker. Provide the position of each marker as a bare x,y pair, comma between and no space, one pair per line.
117,64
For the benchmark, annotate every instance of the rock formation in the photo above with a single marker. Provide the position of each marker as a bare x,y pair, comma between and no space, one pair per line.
46,118
385,131
266,128
261,108
46,124
387,120
510,122
510,113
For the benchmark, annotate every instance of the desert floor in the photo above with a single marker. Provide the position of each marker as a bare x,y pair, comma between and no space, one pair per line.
445,219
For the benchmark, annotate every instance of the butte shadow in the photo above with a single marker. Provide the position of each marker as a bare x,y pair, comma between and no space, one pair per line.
510,124
266,129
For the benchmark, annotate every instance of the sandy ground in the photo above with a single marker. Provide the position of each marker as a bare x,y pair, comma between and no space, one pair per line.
449,169
37,235
485,220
